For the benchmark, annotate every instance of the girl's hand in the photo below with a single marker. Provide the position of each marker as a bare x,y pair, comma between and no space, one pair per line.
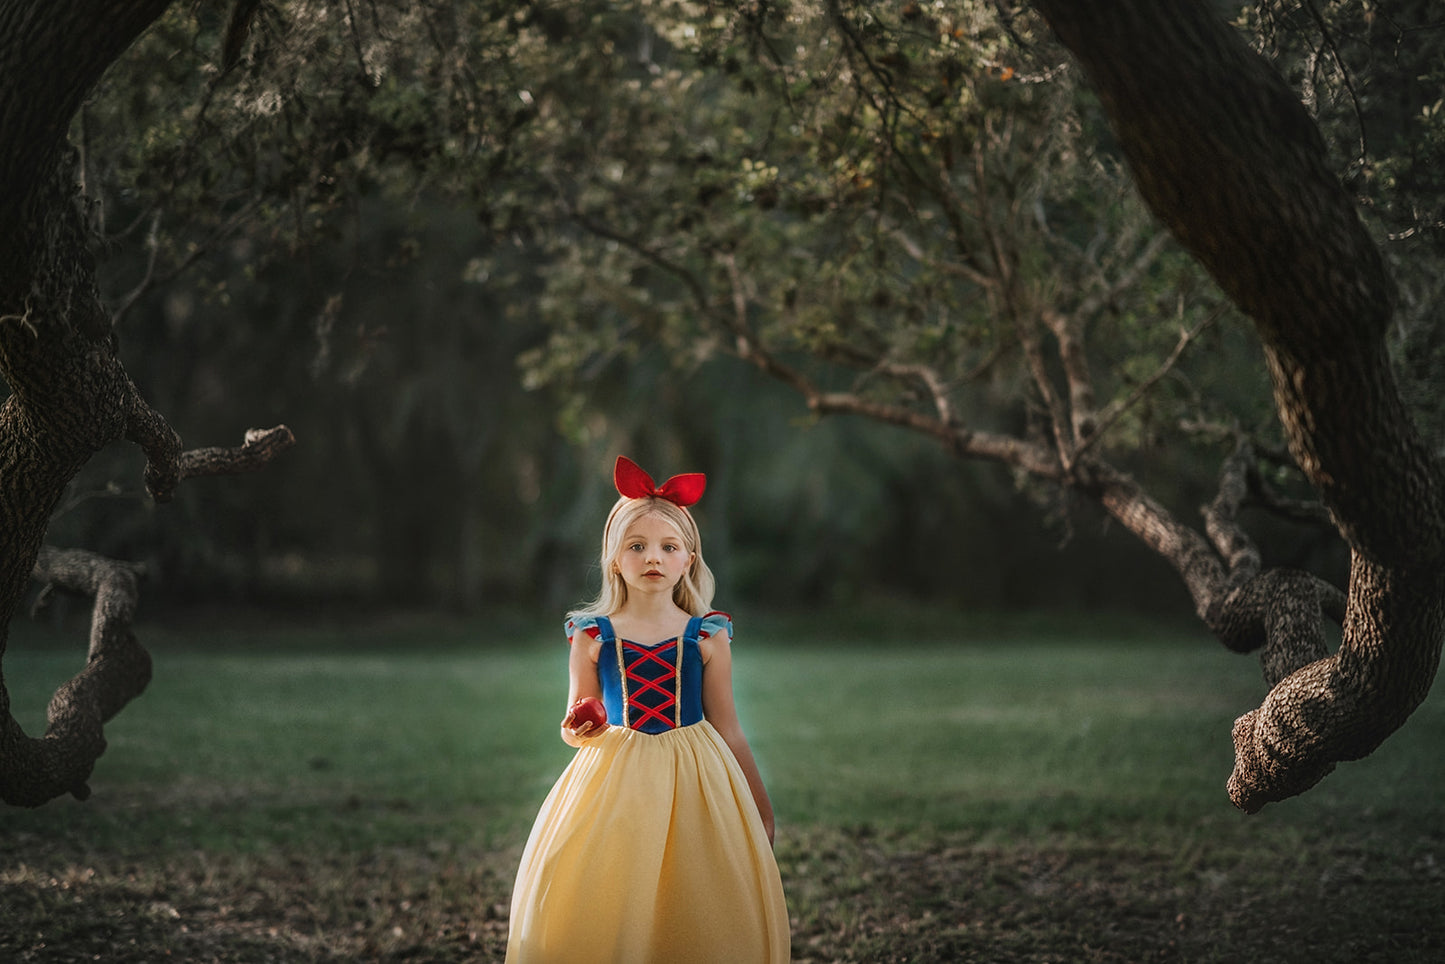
586,727
586,731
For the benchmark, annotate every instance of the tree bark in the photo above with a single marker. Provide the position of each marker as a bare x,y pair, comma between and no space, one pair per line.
56,348
1229,160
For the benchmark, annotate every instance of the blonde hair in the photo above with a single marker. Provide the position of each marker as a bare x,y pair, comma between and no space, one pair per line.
693,591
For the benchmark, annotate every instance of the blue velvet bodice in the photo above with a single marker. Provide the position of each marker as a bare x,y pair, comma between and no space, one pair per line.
659,686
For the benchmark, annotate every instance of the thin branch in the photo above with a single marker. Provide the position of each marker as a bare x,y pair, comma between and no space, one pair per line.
153,249
1329,42
1118,407
1127,279
1032,458
1068,333
955,268
746,345
363,72
1221,515
688,279
1309,512
992,358
1068,329
1034,356
1025,324
153,280
1029,457
878,72
926,376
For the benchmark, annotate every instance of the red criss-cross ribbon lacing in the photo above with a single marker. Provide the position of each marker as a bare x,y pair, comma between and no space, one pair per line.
641,656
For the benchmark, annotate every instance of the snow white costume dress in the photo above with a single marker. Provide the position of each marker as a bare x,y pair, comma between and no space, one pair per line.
650,848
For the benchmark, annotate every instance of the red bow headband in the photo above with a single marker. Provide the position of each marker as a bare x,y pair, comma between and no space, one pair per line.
633,483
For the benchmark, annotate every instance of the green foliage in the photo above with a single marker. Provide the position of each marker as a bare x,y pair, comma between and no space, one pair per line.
856,190
379,210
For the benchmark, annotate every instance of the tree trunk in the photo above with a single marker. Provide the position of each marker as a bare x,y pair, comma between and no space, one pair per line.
69,393
1229,160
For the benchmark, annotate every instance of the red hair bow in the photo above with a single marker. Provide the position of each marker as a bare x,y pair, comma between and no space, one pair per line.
632,482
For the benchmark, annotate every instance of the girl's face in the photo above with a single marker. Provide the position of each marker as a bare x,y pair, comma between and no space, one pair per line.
653,558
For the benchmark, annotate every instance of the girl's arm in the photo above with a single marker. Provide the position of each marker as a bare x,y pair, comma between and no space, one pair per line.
581,681
722,713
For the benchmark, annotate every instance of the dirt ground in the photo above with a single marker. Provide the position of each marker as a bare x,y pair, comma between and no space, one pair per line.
854,895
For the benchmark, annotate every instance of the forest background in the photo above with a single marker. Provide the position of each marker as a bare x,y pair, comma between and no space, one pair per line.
425,248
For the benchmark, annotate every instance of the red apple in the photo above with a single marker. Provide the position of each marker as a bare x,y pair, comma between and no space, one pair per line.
588,709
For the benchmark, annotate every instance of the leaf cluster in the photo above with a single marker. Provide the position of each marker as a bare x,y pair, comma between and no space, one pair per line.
329,106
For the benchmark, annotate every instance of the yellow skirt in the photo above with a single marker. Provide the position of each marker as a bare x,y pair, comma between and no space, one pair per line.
649,849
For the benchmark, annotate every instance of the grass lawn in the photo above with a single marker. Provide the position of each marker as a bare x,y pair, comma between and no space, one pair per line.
993,791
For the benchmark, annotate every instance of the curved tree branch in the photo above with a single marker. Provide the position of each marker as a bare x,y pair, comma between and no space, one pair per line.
1226,156
1343,706
117,667
261,445
116,671
1186,550
1279,612
167,465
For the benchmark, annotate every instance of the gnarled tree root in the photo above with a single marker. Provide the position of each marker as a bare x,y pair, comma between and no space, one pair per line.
117,668
1343,706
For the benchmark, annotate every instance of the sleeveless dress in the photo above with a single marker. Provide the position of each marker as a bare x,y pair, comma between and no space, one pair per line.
650,849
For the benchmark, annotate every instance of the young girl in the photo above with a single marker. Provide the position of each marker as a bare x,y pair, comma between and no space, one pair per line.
655,843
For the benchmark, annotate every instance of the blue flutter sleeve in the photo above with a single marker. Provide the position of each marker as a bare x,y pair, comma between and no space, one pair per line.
716,622
583,621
